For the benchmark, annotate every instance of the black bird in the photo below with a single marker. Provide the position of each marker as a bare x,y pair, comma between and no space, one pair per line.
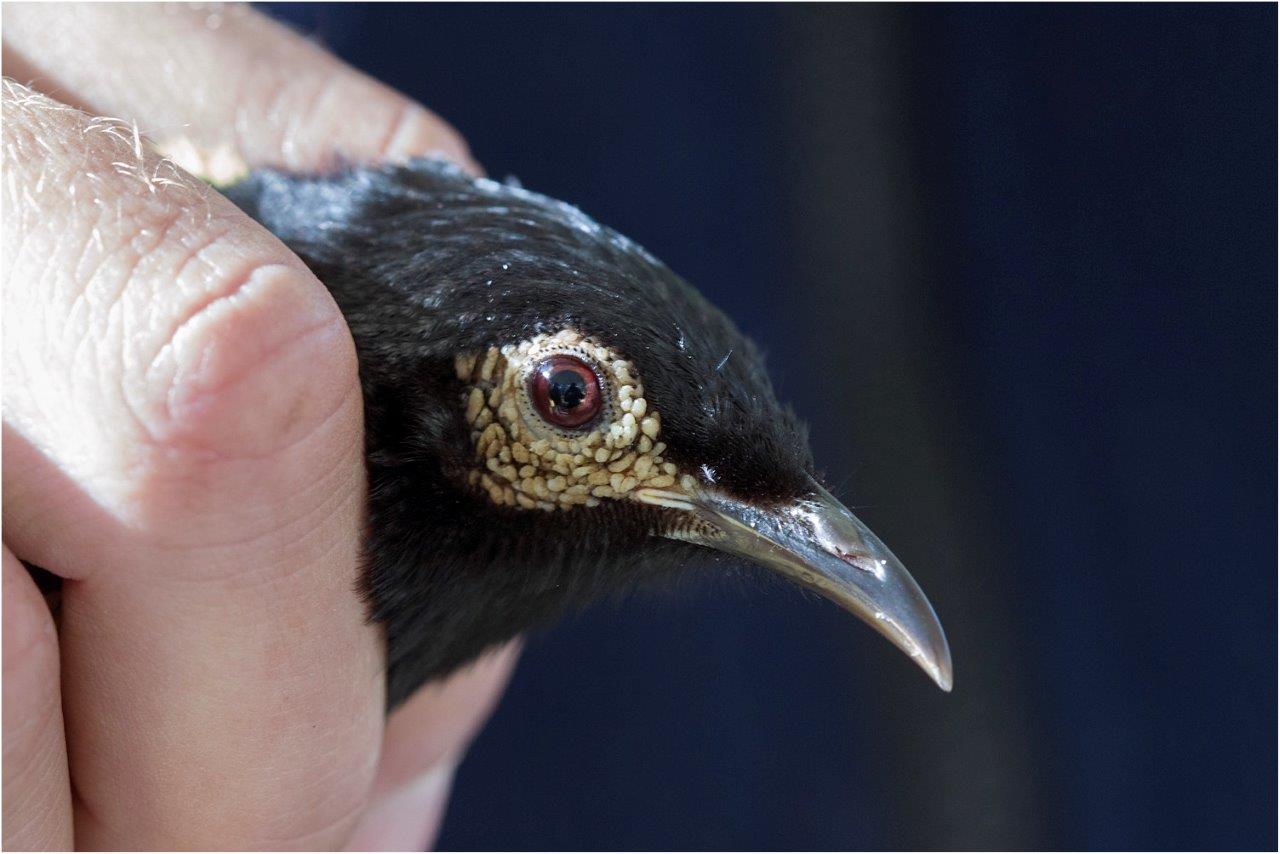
551,414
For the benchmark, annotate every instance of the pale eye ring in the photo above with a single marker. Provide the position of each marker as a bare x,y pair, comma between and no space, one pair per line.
565,391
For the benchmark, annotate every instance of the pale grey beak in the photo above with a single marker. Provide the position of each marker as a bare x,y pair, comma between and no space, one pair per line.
817,542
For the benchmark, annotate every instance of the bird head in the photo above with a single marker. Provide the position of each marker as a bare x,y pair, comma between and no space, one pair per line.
551,414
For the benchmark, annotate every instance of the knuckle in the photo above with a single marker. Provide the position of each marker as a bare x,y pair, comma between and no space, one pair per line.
252,364
250,404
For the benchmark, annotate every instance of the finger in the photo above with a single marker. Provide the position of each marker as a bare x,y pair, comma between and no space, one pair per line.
37,793
182,441
424,741
226,76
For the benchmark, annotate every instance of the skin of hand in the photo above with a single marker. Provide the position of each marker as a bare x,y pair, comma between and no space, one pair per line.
182,445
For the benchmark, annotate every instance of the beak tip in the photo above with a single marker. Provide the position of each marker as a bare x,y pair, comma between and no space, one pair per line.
943,678
938,667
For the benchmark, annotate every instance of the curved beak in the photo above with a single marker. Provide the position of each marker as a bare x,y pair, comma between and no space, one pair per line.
817,542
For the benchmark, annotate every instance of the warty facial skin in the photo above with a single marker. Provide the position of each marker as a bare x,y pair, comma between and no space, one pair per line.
485,517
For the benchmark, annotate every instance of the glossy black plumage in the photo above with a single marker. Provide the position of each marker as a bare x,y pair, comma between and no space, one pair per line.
428,263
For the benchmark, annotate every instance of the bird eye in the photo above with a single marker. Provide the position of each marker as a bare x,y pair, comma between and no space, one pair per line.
566,391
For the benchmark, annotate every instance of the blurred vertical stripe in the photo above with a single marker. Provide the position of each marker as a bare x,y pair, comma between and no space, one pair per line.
956,771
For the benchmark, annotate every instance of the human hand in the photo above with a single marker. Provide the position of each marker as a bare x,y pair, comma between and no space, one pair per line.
182,445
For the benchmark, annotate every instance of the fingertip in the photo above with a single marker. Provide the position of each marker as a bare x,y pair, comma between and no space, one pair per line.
439,720
424,741
30,639
408,819
417,132
37,793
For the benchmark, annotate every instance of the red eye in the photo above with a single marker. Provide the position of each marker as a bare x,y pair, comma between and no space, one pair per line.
565,391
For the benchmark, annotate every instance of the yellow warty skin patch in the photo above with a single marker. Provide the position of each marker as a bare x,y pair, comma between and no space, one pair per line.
521,461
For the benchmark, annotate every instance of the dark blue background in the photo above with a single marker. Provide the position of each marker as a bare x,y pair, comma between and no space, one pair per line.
1017,266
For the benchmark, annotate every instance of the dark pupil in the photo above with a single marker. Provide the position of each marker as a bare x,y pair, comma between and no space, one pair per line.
567,389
